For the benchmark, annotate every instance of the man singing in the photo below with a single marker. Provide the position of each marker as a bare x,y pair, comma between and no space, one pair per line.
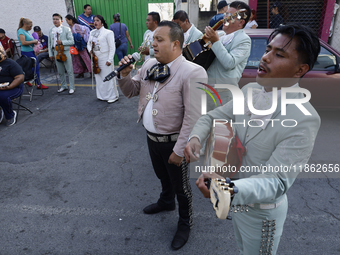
162,84
262,197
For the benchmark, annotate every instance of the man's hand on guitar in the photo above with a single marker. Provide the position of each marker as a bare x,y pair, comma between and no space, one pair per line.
175,159
201,183
211,35
192,150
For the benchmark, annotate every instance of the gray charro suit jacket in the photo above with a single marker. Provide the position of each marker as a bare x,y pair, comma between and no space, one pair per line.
194,35
275,146
66,37
174,110
231,59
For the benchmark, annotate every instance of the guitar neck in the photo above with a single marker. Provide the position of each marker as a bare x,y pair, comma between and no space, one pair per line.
218,24
240,14
215,27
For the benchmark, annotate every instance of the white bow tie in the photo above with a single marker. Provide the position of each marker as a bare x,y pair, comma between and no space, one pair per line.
57,30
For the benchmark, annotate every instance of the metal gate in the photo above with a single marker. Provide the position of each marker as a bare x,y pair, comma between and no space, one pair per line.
316,14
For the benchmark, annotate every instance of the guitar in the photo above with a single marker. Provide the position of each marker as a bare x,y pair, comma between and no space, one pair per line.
199,51
223,151
220,195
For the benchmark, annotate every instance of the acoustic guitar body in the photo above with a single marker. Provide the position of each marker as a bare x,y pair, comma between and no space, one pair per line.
221,151
198,53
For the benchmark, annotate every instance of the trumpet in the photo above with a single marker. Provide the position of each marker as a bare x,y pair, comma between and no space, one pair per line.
144,45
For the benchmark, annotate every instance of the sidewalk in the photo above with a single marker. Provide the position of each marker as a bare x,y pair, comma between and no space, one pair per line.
49,76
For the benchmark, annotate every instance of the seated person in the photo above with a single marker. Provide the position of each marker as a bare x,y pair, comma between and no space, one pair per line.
6,43
43,39
11,73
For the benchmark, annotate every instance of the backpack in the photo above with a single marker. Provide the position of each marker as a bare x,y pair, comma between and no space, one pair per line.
27,65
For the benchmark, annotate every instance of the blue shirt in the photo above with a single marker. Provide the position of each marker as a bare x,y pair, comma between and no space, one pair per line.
216,19
115,28
86,21
44,41
28,37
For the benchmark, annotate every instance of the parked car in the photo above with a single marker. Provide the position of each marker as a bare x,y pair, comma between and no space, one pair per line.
323,81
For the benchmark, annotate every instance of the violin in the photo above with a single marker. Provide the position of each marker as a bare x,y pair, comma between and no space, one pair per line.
61,57
95,66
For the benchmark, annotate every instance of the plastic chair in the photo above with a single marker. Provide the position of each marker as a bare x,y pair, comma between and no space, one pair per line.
15,49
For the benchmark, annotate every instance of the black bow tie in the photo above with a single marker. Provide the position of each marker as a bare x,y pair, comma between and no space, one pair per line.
158,72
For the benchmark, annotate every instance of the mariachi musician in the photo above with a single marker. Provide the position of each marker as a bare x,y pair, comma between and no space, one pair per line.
104,48
191,33
61,36
259,209
232,49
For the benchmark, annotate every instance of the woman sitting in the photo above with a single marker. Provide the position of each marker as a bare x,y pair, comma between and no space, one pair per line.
27,43
11,79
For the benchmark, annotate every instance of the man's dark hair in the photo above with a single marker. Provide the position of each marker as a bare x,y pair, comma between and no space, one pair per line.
181,15
86,5
307,42
238,5
57,15
155,16
176,32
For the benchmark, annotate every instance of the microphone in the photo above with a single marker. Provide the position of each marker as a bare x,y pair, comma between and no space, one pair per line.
135,57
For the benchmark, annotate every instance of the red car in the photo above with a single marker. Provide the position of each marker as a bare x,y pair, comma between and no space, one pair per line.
323,81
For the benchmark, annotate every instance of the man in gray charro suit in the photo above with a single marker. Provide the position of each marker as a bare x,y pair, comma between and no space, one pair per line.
60,35
274,148
191,33
232,50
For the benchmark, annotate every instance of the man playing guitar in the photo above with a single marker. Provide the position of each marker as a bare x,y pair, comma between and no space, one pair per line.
261,196
232,50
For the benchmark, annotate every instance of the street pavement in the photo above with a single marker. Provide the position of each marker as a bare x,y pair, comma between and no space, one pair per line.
76,174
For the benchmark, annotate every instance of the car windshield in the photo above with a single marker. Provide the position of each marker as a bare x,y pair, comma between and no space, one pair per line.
258,47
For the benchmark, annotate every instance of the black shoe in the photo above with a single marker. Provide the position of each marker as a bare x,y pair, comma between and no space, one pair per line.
181,237
155,208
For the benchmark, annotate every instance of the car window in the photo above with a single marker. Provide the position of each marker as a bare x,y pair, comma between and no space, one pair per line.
258,47
326,61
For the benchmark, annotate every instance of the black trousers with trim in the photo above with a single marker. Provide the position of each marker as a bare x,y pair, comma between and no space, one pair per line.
174,180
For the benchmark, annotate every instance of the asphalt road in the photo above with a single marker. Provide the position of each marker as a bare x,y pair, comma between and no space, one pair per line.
75,175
